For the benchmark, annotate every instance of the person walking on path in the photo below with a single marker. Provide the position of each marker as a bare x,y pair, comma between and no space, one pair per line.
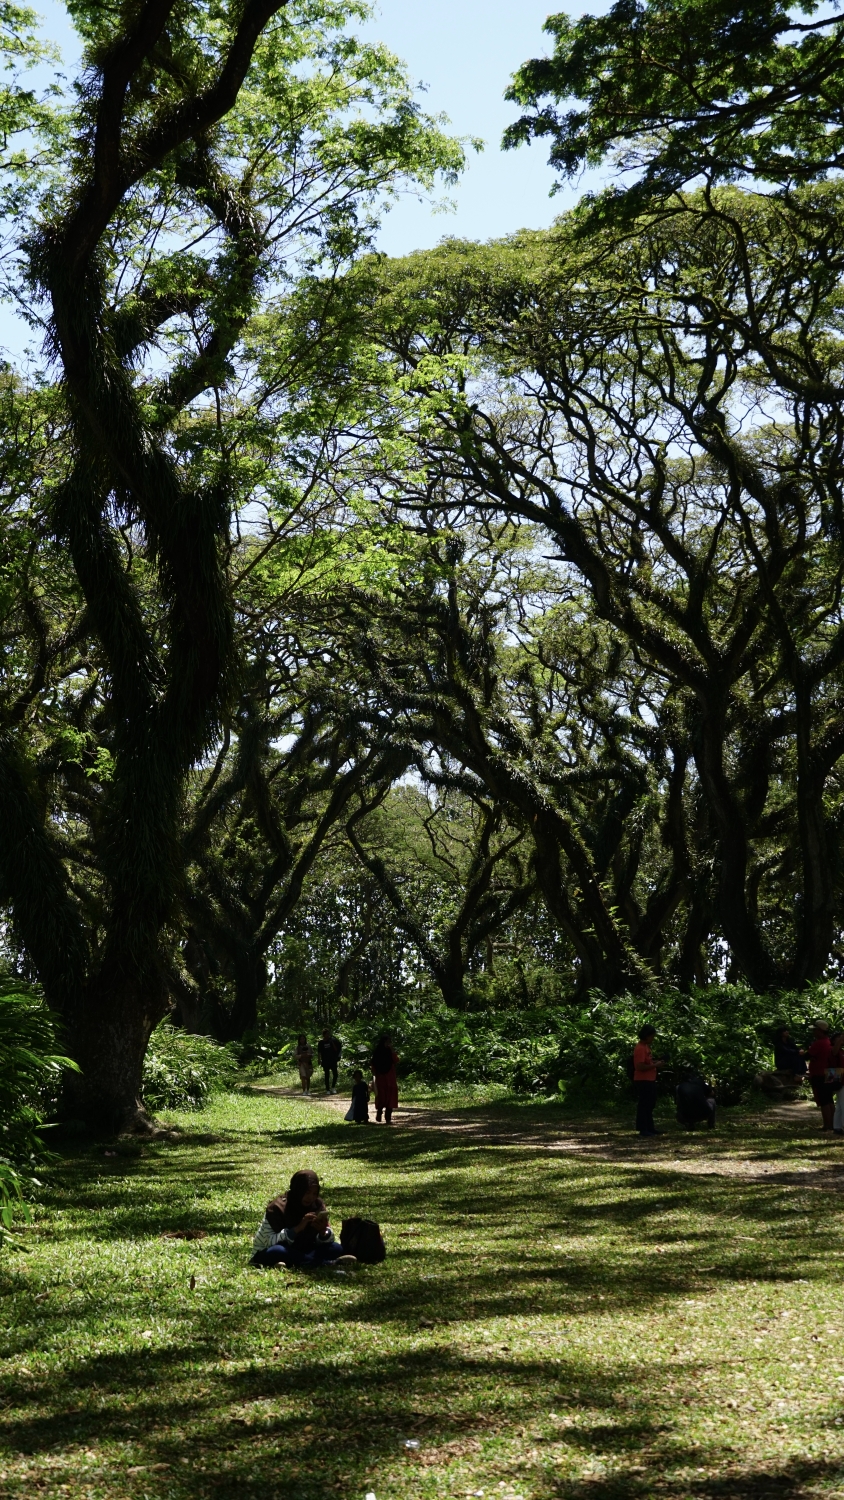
305,1062
818,1056
645,1067
384,1061
329,1051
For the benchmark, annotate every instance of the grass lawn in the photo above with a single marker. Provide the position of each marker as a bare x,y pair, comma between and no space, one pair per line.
564,1311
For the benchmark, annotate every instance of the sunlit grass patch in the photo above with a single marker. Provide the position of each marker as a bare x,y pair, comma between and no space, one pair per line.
564,1311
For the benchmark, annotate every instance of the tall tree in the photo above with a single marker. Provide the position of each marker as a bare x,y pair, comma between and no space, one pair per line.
210,151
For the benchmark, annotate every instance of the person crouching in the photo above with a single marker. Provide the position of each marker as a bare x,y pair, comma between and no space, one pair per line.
295,1230
695,1101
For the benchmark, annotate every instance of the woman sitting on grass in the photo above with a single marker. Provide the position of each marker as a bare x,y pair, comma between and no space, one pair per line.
295,1229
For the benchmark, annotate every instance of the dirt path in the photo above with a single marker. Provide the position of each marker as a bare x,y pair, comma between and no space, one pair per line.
700,1154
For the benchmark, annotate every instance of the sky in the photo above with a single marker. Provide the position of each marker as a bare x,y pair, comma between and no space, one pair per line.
464,53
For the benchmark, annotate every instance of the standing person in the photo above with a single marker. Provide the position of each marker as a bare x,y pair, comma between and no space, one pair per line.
329,1051
818,1056
384,1061
295,1229
305,1062
836,1062
360,1099
645,1067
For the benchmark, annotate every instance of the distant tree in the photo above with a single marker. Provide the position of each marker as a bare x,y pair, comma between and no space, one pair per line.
451,870
663,408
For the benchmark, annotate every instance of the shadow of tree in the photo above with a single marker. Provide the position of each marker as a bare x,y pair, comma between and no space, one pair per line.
277,1382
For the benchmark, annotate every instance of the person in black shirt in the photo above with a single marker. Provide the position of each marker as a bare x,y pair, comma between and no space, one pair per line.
330,1050
695,1101
788,1057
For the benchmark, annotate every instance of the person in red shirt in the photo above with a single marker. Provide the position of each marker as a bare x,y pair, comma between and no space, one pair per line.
645,1067
818,1056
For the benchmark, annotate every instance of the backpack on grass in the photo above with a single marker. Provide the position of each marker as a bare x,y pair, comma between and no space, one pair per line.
362,1238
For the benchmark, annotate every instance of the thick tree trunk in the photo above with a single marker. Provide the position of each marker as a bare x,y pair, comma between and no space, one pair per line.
450,976
602,965
250,981
820,866
691,966
107,1036
742,933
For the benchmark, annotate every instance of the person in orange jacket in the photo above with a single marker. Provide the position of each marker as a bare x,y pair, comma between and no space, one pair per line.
645,1067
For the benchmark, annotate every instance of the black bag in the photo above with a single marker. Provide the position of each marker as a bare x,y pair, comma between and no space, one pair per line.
629,1067
362,1238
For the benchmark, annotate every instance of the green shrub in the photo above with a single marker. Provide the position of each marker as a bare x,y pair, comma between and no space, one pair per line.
724,1031
30,1075
182,1071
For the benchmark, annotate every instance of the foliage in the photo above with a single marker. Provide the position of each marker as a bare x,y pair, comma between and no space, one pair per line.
688,88
645,405
30,1072
472,618
267,138
183,1071
725,1032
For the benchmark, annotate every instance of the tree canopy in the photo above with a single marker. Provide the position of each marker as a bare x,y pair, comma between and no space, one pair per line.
686,89
366,620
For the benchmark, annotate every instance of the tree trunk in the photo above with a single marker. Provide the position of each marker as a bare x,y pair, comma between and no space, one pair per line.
250,981
107,1036
691,965
742,933
816,930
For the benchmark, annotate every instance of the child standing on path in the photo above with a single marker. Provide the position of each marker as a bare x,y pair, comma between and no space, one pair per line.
360,1099
644,1079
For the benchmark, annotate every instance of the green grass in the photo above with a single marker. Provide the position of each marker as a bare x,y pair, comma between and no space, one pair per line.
564,1311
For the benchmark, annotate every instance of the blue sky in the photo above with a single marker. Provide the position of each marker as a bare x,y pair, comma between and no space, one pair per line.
464,52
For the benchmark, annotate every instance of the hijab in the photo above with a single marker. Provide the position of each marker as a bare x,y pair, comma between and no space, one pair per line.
286,1211
382,1057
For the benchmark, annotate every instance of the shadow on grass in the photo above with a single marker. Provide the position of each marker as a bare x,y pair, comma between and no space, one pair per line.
221,1410
232,1436
531,1272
